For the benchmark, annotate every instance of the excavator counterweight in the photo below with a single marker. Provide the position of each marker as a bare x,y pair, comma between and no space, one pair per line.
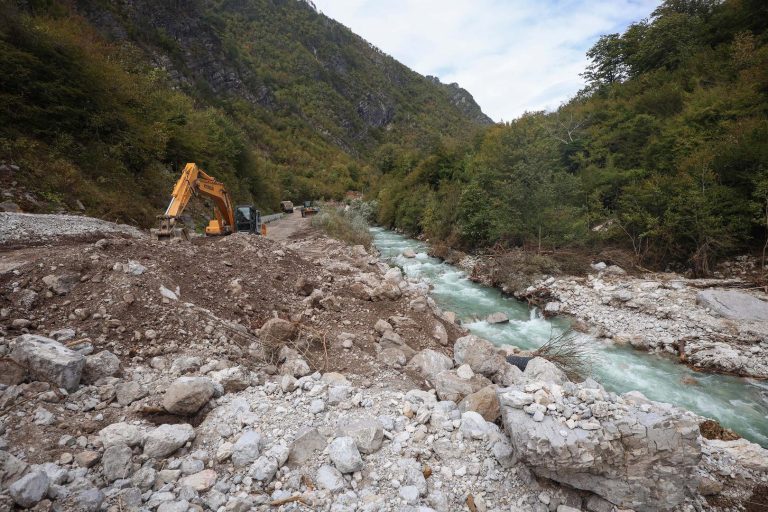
226,219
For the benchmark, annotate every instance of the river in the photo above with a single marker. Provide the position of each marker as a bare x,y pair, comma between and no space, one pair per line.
737,403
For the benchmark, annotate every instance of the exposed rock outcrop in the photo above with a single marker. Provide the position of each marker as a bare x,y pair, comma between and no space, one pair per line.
633,452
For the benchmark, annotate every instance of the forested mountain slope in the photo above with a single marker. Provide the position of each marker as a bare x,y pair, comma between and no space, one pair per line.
665,152
101,101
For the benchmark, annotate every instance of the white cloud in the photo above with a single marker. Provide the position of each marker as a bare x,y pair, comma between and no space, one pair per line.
512,55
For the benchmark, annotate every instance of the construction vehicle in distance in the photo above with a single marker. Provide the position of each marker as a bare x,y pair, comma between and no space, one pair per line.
193,180
286,206
308,210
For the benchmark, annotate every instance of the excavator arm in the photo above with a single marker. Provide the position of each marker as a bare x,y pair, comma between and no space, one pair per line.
194,180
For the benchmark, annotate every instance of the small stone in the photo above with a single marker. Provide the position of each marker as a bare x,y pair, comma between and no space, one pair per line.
87,459
465,372
344,454
120,433
497,318
144,478
174,506
29,489
166,439
186,395
129,392
329,478
116,462
316,406
264,469
224,451
97,366
307,443
473,425
368,433
201,482
409,493
382,326
247,448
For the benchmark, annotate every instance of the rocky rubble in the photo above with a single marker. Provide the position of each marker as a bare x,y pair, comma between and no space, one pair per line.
325,381
713,329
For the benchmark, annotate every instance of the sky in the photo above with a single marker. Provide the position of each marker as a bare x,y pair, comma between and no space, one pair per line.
513,56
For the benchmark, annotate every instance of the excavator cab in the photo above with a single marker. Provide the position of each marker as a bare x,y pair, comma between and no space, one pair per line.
247,219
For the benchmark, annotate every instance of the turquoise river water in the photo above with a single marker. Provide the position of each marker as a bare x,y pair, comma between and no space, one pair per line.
737,403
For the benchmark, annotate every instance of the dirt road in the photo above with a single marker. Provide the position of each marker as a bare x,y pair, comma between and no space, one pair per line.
289,227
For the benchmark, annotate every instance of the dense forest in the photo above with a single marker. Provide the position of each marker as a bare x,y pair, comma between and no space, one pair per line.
664,152
103,102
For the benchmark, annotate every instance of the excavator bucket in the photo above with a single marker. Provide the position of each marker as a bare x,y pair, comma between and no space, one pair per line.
169,230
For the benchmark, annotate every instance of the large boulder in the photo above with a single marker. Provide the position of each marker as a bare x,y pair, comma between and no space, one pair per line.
742,452
734,304
481,355
428,363
633,452
49,360
186,395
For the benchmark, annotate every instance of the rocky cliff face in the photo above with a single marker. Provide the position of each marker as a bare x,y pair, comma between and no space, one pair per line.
285,57
463,100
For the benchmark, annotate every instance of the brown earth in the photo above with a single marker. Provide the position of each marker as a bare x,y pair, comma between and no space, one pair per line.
228,287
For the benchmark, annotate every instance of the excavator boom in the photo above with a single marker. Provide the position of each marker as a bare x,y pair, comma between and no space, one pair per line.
194,180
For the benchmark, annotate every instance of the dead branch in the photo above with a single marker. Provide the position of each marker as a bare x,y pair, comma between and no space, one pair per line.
564,350
289,499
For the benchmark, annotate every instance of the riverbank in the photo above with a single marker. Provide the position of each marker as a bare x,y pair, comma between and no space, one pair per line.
713,325
704,325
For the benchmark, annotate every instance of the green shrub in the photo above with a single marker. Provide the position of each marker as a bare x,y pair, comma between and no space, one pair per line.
347,225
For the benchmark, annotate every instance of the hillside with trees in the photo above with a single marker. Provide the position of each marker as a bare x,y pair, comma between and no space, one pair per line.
103,102
665,152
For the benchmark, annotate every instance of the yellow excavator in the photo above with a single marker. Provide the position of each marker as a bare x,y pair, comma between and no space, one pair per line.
193,180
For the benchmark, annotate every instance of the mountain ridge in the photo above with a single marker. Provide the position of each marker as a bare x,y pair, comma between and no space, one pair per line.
103,102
